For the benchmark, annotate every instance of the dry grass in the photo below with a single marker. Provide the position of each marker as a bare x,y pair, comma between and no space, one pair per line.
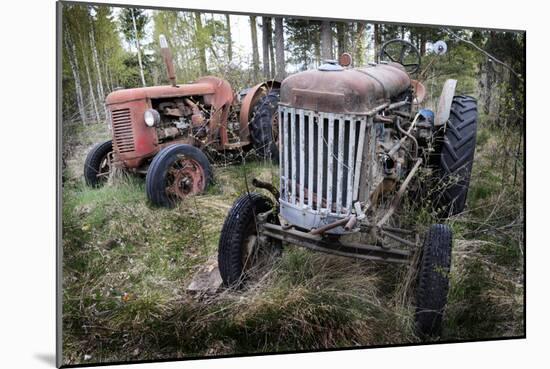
126,267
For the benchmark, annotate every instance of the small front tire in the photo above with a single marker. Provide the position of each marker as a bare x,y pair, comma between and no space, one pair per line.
433,280
240,254
97,165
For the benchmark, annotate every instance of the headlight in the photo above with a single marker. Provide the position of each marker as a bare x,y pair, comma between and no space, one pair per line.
151,117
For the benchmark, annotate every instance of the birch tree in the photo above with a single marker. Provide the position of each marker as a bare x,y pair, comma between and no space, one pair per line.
255,53
266,46
228,37
326,40
91,88
100,90
279,49
138,47
200,42
133,22
341,36
73,61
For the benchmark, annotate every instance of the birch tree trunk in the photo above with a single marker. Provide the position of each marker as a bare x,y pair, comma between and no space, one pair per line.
272,67
255,53
377,41
265,46
92,95
359,45
73,61
200,43
138,48
341,30
229,40
90,82
326,41
100,90
279,49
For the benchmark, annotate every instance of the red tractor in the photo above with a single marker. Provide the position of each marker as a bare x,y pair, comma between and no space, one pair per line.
164,132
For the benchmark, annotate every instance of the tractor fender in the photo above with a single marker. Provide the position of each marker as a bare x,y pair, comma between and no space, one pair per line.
419,91
247,106
445,100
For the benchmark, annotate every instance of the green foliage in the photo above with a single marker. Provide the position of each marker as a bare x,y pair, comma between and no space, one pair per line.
301,34
460,63
127,18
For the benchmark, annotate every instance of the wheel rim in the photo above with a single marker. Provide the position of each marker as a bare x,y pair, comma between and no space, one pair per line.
247,252
254,255
104,168
184,177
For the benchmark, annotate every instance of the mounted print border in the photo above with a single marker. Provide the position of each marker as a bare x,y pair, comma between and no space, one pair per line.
235,184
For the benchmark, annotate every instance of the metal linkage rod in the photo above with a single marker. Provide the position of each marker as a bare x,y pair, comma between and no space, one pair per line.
399,194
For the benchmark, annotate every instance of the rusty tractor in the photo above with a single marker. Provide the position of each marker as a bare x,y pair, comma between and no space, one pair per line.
165,131
352,142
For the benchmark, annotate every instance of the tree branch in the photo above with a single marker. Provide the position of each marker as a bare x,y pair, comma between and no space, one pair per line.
517,75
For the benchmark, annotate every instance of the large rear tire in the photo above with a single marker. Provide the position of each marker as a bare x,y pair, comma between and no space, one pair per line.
433,280
97,165
456,156
176,172
240,254
264,127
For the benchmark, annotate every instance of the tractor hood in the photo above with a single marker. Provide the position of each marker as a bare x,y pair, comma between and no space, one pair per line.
204,86
334,89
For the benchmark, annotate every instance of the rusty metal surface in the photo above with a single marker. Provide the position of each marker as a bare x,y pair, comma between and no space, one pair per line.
167,56
142,93
133,140
350,91
345,60
318,243
397,197
266,186
185,177
134,143
328,227
248,102
419,91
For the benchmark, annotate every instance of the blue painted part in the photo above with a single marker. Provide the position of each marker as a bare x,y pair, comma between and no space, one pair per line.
427,114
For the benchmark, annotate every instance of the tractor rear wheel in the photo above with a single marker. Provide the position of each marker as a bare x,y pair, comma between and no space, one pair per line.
97,165
176,172
241,255
264,126
456,155
433,280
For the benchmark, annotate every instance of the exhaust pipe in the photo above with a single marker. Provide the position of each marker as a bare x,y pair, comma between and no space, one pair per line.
167,56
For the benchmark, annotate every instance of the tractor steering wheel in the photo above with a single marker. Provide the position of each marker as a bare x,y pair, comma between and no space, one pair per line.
402,52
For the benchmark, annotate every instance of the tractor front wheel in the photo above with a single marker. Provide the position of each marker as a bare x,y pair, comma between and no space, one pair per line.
176,172
241,254
433,280
97,165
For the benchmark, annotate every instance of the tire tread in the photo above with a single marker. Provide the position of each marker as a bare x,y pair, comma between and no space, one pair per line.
456,156
433,280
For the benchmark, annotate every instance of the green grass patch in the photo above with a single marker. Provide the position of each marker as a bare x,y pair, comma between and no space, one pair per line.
127,264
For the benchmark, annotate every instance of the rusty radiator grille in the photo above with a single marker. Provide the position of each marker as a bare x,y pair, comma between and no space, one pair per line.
319,161
122,130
